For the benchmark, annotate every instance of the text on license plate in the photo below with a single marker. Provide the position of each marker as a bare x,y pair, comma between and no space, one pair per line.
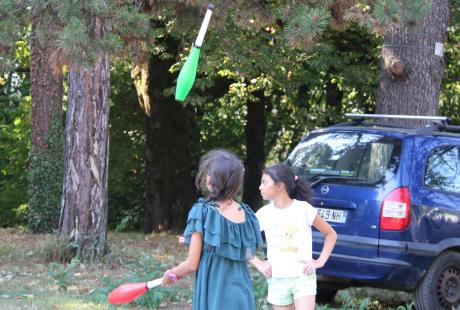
336,216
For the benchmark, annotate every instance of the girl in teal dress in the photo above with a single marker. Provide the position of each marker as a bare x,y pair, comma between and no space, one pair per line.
222,235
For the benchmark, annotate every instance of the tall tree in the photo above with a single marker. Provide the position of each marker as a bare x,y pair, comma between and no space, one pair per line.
170,132
413,65
84,200
414,34
46,169
255,128
91,31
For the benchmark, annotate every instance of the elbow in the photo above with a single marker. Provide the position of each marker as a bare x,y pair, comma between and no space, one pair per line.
332,235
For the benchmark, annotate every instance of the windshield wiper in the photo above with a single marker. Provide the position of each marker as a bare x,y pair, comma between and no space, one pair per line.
336,177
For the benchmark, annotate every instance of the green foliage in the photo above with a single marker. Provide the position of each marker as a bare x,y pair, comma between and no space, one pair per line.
260,286
305,22
124,28
11,26
306,25
387,11
413,11
449,101
14,139
126,157
128,220
46,174
351,303
14,147
293,84
63,275
74,39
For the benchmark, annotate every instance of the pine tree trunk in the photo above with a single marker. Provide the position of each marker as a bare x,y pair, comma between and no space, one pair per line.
411,73
45,181
46,89
84,202
255,153
170,129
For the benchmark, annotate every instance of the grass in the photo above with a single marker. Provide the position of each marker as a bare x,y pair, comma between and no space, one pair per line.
34,275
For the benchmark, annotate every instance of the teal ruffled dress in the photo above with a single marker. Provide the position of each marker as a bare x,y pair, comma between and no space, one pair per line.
222,279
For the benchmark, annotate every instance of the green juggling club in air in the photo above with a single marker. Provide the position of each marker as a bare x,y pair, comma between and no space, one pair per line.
188,72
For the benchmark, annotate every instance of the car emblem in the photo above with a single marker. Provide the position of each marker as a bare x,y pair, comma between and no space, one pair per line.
324,189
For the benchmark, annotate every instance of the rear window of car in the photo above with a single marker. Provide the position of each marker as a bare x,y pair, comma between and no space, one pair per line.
443,169
347,157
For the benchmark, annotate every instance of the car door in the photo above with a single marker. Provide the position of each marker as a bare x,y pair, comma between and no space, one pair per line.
435,192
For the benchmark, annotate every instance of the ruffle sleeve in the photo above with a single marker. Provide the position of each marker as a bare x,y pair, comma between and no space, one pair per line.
237,241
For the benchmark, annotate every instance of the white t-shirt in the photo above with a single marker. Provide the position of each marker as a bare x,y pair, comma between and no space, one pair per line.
288,234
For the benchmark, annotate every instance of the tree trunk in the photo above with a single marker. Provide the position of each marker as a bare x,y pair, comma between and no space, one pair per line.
334,98
411,70
170,131
45,169
255,154
46,89
84,202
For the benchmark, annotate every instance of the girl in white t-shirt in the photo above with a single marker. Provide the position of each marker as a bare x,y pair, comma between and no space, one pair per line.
286,221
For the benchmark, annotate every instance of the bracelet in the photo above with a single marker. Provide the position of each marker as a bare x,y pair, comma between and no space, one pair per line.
172,276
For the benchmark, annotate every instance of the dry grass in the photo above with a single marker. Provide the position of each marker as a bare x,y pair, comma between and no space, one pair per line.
27,280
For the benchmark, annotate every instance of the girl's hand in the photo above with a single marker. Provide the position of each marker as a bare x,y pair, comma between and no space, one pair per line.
265,268
181,240
311,266
169,278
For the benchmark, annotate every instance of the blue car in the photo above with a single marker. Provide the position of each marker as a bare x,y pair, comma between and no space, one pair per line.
393,196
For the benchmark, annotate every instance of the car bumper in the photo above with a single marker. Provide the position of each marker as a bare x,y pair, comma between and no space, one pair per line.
347,270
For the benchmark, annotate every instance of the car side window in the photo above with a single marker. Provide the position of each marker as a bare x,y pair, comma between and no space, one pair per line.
443,169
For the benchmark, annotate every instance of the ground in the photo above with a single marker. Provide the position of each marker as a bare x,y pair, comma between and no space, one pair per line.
33,276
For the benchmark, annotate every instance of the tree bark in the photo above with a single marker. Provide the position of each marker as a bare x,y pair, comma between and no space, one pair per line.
45,163
255,153
84,202
411,72
170,130
46,88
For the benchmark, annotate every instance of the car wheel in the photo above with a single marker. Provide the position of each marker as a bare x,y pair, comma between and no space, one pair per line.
325,294
440,287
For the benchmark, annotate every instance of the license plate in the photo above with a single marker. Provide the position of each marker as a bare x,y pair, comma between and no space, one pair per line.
336,216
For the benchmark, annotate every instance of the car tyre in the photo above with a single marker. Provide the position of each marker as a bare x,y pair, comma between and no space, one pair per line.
440,287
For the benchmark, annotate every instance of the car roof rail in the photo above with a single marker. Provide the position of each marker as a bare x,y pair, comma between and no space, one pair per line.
440,123
361,117
442,126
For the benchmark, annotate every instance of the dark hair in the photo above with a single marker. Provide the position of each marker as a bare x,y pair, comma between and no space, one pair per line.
226,173
296,187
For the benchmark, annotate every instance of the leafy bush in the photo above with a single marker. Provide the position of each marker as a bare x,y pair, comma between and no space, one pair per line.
63,275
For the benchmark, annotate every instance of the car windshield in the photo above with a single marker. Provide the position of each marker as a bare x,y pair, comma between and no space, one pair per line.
347,158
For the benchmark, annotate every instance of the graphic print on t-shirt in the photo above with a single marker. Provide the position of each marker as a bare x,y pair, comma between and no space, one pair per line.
289,234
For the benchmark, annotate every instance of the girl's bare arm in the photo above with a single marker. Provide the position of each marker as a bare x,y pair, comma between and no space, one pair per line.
190,265
329,242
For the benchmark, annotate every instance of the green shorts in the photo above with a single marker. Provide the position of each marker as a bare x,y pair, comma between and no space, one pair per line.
283,291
